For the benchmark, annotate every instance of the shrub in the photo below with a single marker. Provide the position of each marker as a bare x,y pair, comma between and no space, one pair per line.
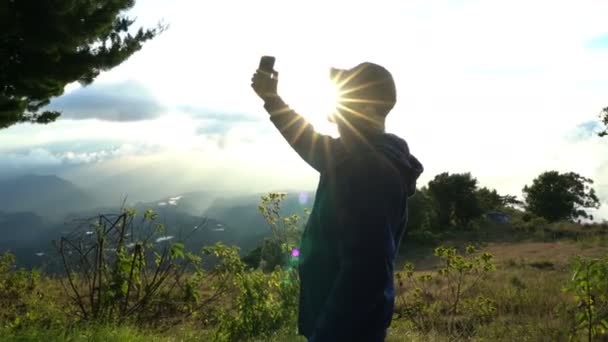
263,305
26,298
589,285
276,250
118,270
427,300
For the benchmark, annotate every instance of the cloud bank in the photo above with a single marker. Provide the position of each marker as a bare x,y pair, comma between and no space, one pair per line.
121,102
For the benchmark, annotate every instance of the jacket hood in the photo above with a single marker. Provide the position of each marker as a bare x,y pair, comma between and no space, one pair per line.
398,152
390,146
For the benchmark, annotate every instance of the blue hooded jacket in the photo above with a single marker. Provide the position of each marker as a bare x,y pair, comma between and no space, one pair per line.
353,233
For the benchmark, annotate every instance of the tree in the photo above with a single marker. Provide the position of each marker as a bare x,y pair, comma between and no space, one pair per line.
560,196
604,118
488,199
421,211
491,200
455,197
47,44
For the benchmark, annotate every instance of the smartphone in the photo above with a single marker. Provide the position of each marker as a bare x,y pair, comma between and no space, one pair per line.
267,64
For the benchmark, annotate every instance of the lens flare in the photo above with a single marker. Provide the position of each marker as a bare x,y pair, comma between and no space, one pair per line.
303,197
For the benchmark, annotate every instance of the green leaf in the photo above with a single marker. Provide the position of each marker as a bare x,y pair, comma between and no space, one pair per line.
177,250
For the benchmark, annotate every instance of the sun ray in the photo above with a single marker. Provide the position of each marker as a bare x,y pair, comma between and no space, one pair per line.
359,87
300,130
290,123
357,133
326,149
313,143
349,78
355,113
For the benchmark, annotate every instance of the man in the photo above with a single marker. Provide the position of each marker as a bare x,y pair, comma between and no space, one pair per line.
359,215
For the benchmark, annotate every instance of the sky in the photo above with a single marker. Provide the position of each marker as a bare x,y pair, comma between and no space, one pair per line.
504,90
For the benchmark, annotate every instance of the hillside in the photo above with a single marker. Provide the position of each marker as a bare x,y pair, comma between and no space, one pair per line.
48,196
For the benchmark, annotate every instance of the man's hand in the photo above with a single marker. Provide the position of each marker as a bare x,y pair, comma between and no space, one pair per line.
265,84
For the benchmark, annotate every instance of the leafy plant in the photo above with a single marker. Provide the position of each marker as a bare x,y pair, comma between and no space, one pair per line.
424,304
462,272
277,249
117,270
15,288
27,298
589,285
417,304
263,304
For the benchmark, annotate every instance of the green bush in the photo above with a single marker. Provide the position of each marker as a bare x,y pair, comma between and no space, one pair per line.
589,286
529,223
444,300
265,300
423,237
26,298
263,305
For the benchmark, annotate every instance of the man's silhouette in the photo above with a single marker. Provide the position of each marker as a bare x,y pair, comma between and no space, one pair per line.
359,214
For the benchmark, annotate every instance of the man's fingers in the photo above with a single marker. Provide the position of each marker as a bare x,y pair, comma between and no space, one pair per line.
263,73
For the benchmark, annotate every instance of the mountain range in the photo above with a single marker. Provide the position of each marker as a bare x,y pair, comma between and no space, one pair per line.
35,210
48,196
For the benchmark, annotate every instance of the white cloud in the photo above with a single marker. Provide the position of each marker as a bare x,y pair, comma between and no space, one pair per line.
34,158
40,157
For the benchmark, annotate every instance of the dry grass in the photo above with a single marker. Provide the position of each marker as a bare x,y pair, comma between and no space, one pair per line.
526,288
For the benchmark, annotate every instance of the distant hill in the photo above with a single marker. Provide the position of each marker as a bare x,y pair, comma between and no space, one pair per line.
20,227
240,214
35,210
48,196
243,215
26,235
232,220
194,203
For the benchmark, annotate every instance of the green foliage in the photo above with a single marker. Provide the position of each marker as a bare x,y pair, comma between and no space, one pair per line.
452,200
253,258
276,250
417,303
118,270
47,44
231,301
604,119
23,299
560,196
264,304
426,308
455,198
589,286
462,272
15,288
529,223
489,199
423,238
422,213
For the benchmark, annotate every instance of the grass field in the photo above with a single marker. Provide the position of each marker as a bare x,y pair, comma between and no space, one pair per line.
525,289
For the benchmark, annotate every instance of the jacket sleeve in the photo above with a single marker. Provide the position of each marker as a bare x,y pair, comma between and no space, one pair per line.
365,250
313,147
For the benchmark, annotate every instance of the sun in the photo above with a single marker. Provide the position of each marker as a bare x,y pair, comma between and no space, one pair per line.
314,96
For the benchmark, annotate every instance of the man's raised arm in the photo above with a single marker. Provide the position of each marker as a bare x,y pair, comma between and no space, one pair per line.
313,147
